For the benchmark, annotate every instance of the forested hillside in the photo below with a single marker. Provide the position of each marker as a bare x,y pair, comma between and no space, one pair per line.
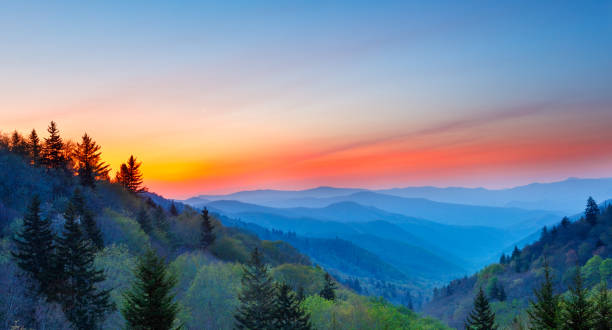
76,247
565,250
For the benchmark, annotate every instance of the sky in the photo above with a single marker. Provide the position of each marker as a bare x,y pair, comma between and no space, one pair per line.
215,97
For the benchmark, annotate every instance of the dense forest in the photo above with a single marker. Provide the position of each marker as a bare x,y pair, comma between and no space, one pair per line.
559,281
82,250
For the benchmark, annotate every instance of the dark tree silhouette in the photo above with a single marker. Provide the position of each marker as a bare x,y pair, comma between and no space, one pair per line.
149,304
35,149
173,209
329,289
544,311
256,310
34,252
84,305
481,317
130,177
88,162
288,314
207,236
53,149
591,211
18,145
144,220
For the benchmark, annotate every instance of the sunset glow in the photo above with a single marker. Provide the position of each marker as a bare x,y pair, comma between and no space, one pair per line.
298,95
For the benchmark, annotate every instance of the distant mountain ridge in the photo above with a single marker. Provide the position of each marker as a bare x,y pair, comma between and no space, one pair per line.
562,196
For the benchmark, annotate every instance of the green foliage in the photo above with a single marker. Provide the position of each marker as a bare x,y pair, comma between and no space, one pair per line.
481,317
288,314
121,230
544,312
230,249
256,297
329,288
207,232
577,311
310,279
602,314
149,304
590,271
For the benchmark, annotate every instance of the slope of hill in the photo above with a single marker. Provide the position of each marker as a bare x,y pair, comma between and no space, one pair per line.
564,246
208,281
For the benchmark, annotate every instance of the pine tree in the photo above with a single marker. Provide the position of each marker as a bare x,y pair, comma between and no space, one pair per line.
130,176
577,312
35,249
149,304
288,314
602,319
591,211
53,149
84,305
256,310
544,312
144,220
173,209
565,222
18,145
34,148
207,236
481,317
91,229
88,162
329,289
501,293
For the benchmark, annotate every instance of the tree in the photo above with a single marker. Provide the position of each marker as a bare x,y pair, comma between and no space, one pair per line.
256,310
577,312
329,289
34,252
130,177
88,162
288,314
502,293
591,211
565,222
207,236
85,306
92,230
149,304
481,317
602,319
18,144
173,209
544,312
144,220
53,150
34,148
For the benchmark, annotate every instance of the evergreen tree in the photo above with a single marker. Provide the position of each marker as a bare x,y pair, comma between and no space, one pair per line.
207,236
34,148
18,145
149,303
130,176
91,229
34,252
544,312
53,150
84,305
602,319
288,314
256,310
144,220
173,209
565,222
591,211
577,312
481,317
501,293
88,162
329,289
